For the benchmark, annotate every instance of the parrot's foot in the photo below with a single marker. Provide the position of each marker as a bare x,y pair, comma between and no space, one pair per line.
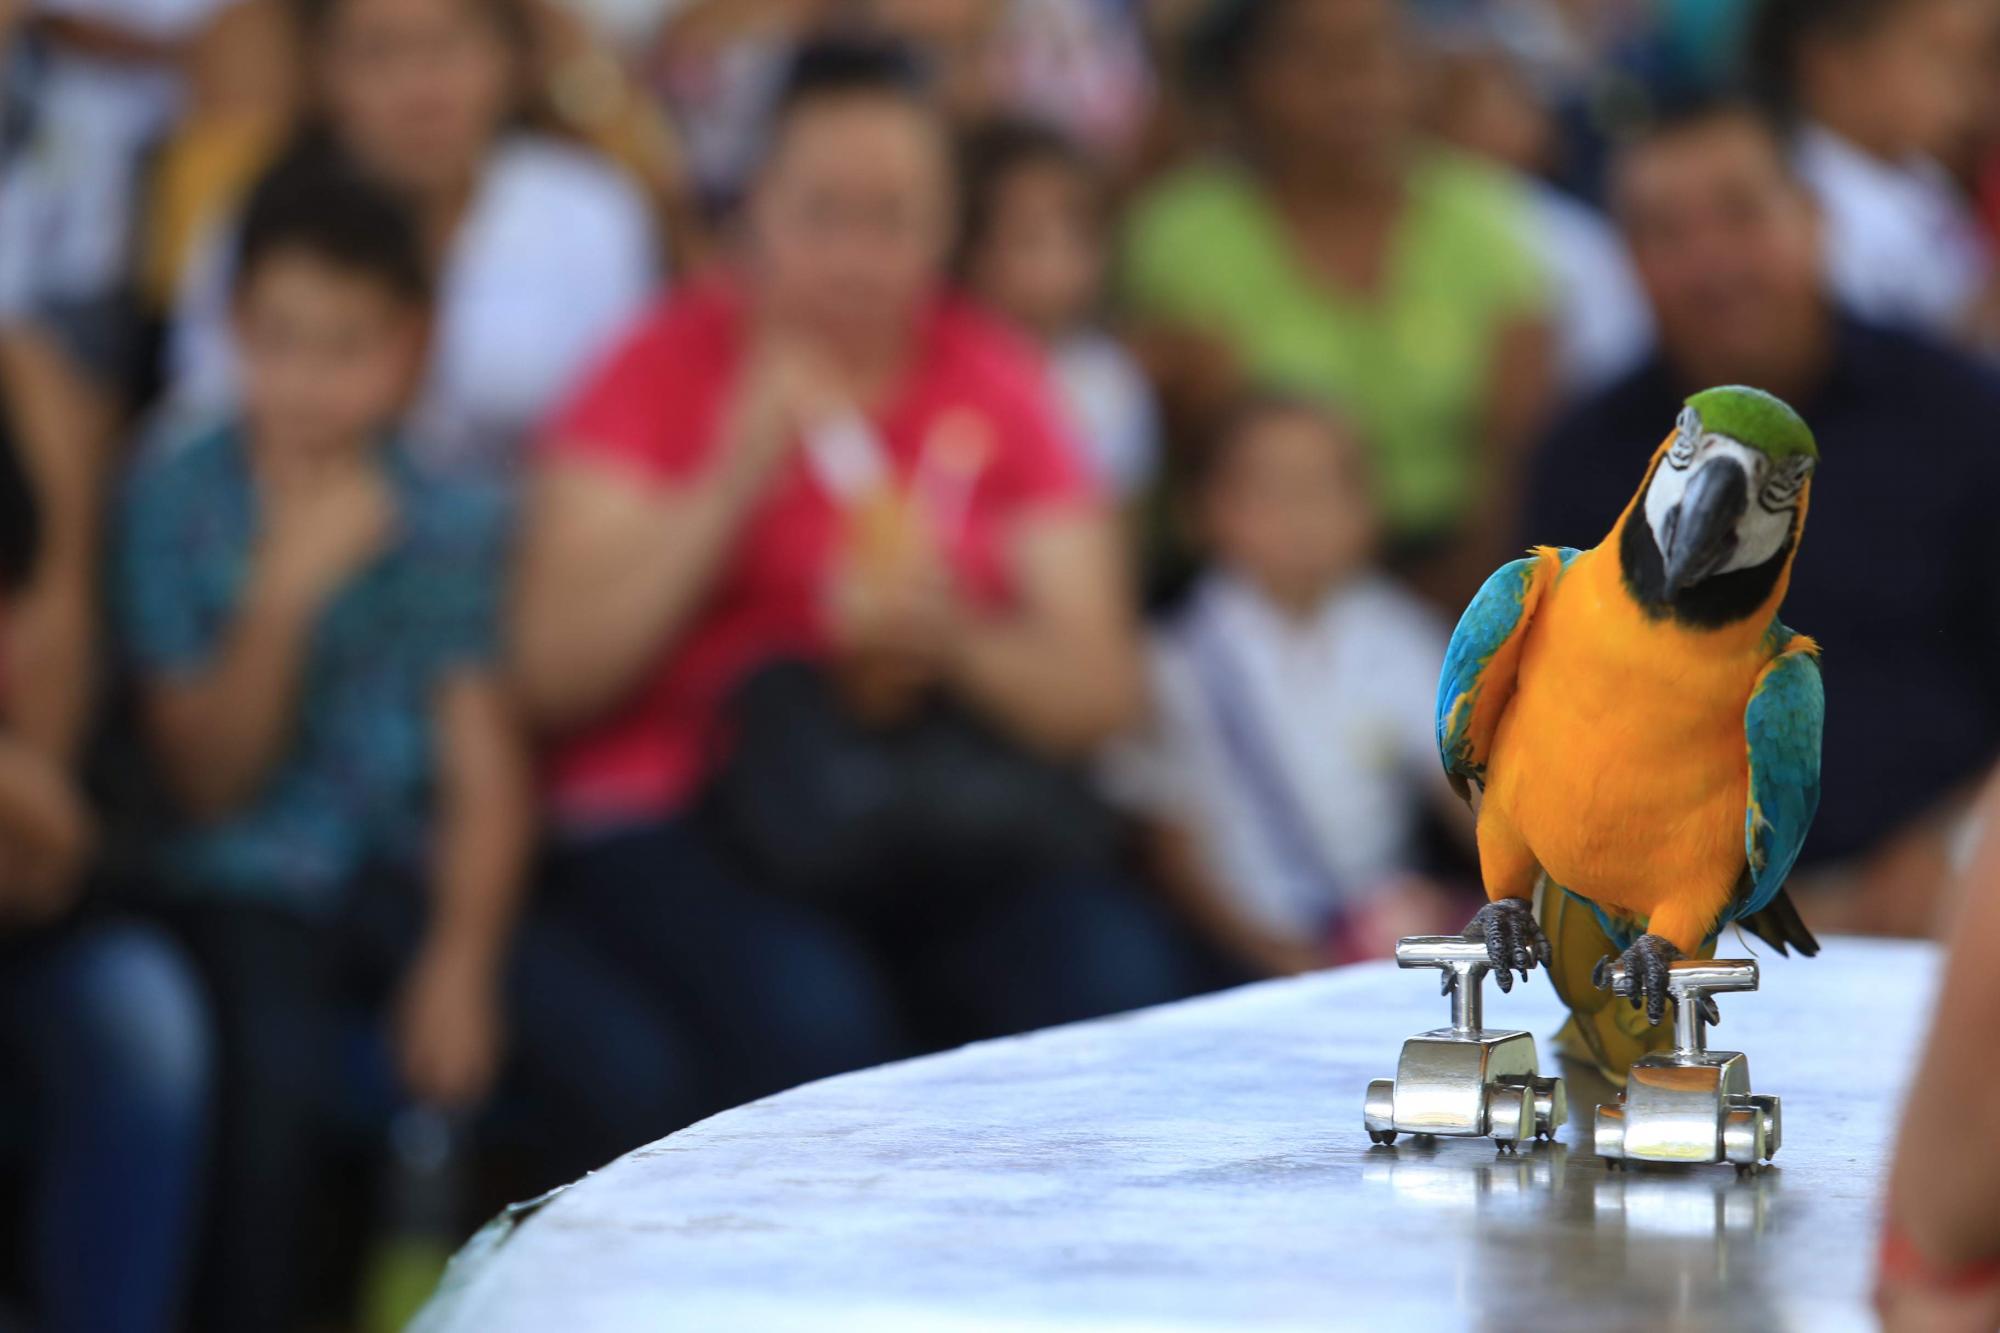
1514,942
1647,965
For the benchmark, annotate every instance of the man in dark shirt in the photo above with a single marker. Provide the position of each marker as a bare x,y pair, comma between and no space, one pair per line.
1898,576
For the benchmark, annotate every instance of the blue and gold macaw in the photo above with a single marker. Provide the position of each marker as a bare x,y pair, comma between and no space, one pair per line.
1645,731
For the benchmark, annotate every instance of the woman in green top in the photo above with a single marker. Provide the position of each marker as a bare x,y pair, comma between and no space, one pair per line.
1334,252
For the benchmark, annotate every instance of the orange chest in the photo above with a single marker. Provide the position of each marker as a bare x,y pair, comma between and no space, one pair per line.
1622,756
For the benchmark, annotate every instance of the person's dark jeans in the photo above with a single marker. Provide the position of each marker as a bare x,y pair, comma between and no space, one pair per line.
291,993
105,1042
783,992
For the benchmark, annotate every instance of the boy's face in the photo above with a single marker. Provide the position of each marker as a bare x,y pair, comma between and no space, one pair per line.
1289,507
329,356
1042,260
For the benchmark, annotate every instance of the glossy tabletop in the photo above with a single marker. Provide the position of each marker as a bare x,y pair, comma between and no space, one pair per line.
1203,1166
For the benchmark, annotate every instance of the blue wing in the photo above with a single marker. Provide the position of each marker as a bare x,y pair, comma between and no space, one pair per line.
1485,651
1782,725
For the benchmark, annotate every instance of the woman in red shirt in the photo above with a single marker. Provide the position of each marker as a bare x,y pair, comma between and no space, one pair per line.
819,455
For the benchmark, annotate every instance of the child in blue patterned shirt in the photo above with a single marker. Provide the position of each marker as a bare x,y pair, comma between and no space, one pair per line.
311,622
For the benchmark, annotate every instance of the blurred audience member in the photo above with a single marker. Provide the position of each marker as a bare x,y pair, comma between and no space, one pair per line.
1702,40
1898,581
544,250
626,26
819,458
958,43
244,96
1878,90
1598,65
103,1036
63,425
310,617
103,82
1082,65
1569,45
1939,1270
1339,255
1035,249
1484,103
587,89
1293,750
1976,160
718,64
724,61
1077,64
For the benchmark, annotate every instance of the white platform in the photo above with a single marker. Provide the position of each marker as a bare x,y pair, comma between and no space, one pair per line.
1203,1166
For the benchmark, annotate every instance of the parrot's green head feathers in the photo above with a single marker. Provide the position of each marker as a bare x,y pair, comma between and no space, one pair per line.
1722,508
1761,420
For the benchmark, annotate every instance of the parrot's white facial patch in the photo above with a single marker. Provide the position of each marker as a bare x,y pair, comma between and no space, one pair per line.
1774,490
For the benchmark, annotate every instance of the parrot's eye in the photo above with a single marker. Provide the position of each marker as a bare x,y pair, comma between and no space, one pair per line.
1784,483
1687,435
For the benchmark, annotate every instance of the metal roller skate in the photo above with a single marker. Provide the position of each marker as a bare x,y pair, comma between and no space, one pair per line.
1467,1080
1692,1105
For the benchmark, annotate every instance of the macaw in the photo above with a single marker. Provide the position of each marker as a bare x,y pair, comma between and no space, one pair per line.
1644,730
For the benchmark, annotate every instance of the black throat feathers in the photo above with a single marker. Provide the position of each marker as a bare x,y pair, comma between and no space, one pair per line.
1713,603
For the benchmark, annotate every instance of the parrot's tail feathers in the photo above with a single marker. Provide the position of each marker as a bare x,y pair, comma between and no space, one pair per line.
1743,941
1780,925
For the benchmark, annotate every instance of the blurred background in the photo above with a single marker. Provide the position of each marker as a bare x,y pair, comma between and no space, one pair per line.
568,564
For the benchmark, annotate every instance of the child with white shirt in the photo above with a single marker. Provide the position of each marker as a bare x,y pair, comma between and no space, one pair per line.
1292,752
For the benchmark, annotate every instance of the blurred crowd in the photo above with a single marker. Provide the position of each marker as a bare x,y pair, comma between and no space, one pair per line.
568,564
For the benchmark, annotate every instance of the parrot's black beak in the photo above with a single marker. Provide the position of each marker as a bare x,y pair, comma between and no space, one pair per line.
1701,529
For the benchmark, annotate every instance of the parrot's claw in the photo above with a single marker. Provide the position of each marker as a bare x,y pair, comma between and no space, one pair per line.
1647,965
1514,942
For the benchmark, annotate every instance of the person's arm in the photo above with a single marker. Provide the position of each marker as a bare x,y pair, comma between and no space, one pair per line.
63,426
449,1034
1062,672
44,833
218,729
1944,1203
217,732
1175,863
611,570
610,574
